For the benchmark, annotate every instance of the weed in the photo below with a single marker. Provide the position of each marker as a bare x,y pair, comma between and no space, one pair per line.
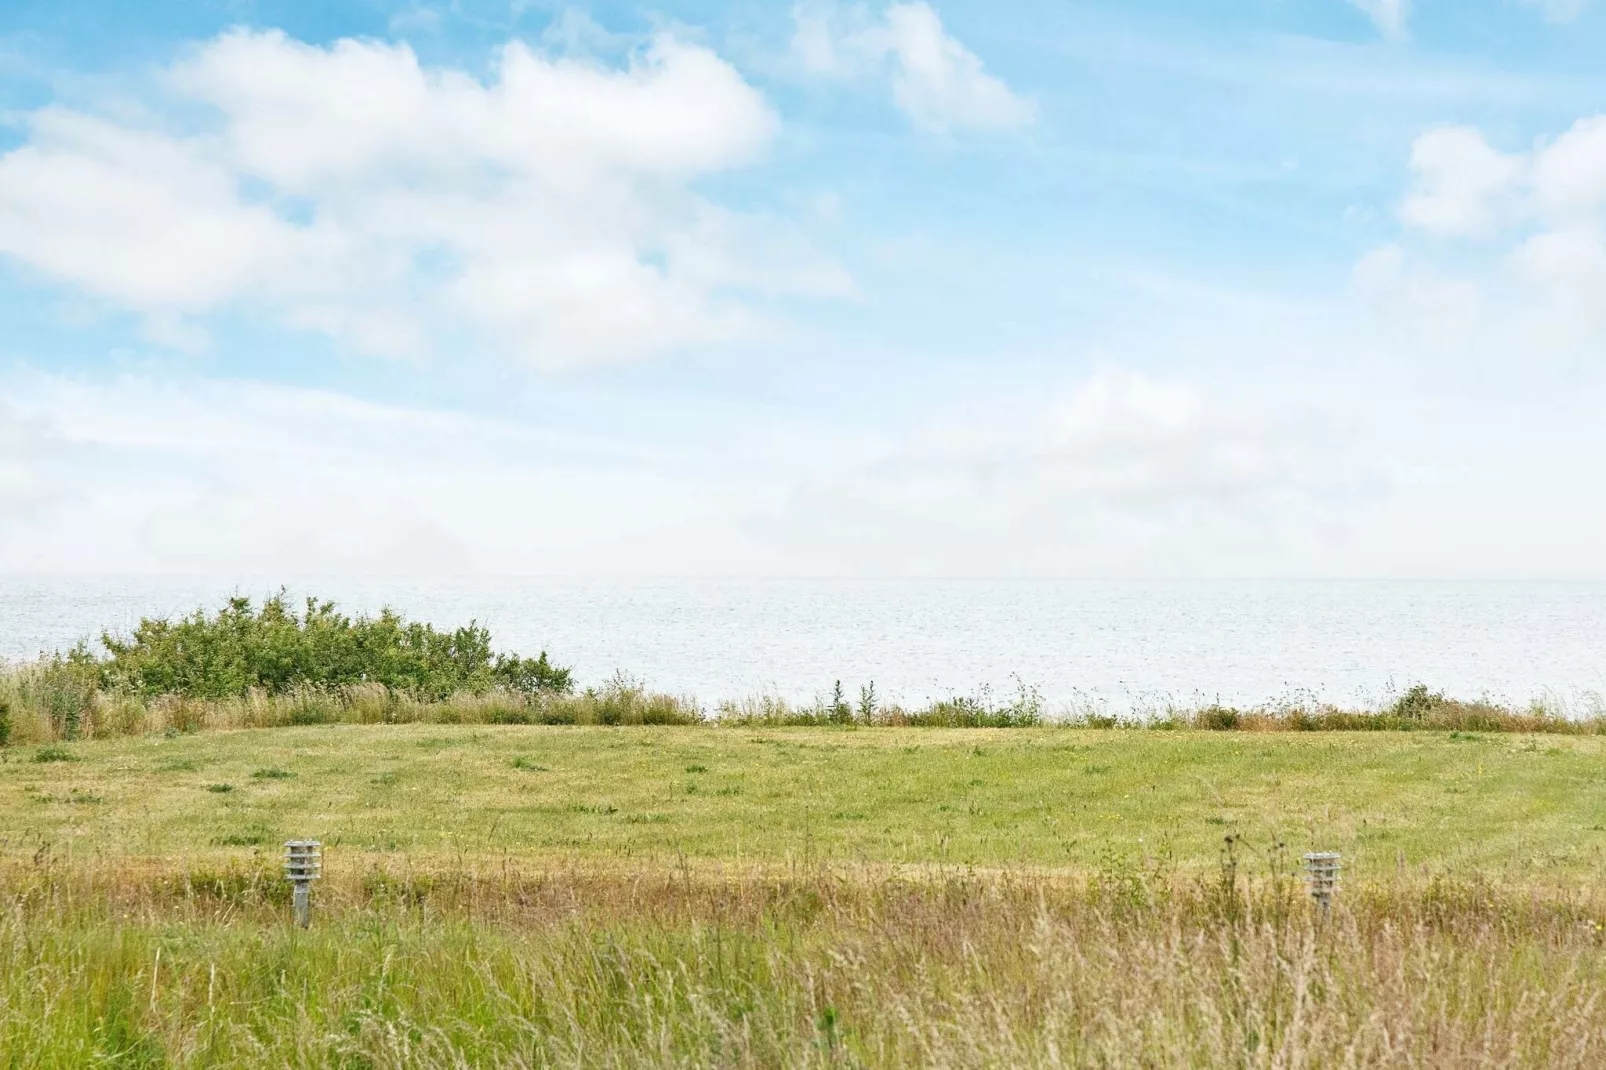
220,789
54,754
839,712
868,706
250,836
272,773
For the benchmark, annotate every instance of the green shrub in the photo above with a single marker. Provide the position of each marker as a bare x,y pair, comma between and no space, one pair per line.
1025,711
5,722
241,649
1218,718
1417,704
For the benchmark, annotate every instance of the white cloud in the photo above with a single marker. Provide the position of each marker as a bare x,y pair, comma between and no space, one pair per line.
1464,186
1389,16
1568,266
939,83
1569,175
1125,474
137,217
1424,306
1461,182
351,190
148,474
1542,211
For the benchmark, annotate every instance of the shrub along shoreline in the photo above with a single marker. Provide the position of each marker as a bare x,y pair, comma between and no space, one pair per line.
274,666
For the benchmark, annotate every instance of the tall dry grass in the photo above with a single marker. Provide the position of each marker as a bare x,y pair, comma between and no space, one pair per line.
110,963
56,700
40,709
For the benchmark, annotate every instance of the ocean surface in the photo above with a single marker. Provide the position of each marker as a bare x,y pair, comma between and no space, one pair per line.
1115,646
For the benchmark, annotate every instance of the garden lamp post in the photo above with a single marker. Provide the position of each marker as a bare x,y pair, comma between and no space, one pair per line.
303,864
1321,873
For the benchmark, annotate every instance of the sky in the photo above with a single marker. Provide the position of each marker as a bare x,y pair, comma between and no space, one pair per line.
1101,288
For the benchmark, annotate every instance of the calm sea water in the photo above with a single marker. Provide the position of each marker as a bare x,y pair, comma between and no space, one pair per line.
1118,646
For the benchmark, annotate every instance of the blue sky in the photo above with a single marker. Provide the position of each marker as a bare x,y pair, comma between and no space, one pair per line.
1268,287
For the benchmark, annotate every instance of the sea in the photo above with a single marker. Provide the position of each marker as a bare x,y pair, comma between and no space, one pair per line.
1117,647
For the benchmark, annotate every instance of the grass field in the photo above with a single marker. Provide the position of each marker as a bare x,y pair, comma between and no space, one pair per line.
707,896
1524,806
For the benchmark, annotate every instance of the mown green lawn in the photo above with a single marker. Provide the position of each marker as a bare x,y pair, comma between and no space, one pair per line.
1513,806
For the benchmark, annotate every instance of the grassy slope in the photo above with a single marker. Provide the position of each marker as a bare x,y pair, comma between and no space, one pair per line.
1517,807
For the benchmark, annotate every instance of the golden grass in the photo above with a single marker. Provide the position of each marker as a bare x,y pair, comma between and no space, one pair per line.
132,966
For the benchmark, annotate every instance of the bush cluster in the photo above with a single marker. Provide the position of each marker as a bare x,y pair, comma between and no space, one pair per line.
275,650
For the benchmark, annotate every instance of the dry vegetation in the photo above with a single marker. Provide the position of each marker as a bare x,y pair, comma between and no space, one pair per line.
119,965
49,701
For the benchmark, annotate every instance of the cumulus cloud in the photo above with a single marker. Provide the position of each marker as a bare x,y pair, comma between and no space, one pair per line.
935,80
1464,186
1461,182
1389,16
148,474
1543,211
1126,472
353,191
1569,174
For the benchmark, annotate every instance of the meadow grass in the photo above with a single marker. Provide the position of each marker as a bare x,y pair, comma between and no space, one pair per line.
1048,798
732,895
107,966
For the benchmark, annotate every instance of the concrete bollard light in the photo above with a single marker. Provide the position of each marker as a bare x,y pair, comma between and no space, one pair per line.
303,864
